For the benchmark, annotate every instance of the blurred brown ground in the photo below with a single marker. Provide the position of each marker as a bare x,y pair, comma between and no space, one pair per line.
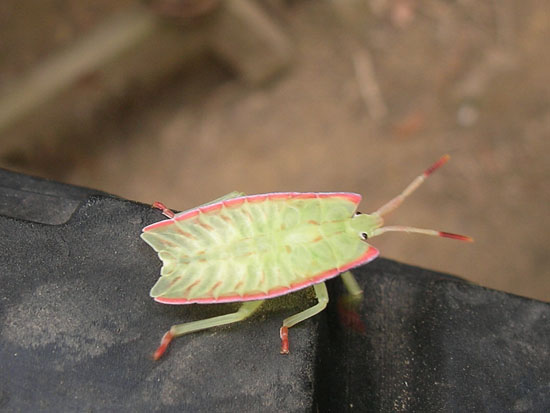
467,78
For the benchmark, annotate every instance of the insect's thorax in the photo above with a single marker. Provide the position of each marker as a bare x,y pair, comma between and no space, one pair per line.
366,223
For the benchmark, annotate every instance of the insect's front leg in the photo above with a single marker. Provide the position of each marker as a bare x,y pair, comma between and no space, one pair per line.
355,293
348,304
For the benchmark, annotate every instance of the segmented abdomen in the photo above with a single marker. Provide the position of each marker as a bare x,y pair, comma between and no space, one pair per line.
254,247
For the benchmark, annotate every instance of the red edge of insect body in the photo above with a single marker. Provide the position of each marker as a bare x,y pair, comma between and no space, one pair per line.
367,257
353,197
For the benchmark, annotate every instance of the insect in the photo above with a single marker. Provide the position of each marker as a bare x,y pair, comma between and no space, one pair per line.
251,248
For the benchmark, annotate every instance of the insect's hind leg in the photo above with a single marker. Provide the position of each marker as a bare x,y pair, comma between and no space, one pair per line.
322,297
177,330
167,212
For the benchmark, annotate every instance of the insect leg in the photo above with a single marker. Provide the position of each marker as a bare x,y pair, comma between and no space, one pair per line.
165,211
355,292
349,303
322,297
244,311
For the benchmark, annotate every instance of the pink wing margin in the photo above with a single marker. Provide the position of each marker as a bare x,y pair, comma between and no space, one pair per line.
370,254
353,197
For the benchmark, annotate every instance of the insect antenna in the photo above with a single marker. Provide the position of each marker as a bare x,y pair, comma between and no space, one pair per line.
398,200
401,228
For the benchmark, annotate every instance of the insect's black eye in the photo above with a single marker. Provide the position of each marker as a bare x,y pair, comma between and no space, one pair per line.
358,213
364,236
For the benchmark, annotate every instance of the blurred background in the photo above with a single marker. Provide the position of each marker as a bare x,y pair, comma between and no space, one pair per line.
183,101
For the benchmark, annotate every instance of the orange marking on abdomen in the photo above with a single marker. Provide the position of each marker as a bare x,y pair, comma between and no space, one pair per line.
226,218
169,243
313,222
214,287
188,235
174,281
206,226
188,289
319,238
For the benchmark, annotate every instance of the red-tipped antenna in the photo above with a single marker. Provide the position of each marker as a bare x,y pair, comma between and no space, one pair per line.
398,200
432,232
442,161
456,236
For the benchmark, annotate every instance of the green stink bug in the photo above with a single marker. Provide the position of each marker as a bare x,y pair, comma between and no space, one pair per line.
250,248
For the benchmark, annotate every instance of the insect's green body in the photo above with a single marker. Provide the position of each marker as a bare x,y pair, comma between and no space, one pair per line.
264,246
251,248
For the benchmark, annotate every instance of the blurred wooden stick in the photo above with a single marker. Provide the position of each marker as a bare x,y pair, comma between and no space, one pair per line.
368,85
86,56
134,49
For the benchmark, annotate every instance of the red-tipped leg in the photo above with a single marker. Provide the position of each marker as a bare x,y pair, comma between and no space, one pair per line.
164,343
284,340
349,316
165,211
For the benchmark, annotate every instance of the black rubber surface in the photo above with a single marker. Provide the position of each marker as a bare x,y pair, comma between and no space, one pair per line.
77,329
